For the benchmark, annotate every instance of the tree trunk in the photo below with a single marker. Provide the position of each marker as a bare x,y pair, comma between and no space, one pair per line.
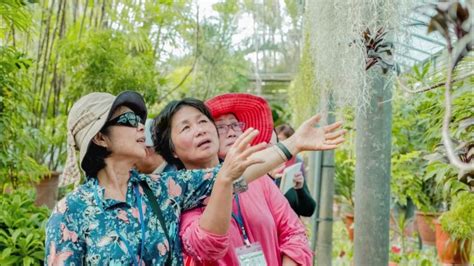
372,183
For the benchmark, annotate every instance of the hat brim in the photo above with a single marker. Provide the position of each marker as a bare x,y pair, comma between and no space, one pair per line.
253,110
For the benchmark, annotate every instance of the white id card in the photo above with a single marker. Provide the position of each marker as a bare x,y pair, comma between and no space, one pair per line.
251,255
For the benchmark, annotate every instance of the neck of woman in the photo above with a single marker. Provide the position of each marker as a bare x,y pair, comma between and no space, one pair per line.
114,179
204,164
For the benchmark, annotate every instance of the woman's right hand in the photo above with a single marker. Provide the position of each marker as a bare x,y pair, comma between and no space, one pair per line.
238,156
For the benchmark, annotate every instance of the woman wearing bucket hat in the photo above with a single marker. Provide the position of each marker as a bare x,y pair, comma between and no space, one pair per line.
119,216
180,125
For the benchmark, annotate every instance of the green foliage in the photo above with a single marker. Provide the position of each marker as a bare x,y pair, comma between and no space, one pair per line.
344,181
459,220
406,182
444,175
16,142
342,251
302,92
21,229
108,61
417,123
230,7
280,114
14,15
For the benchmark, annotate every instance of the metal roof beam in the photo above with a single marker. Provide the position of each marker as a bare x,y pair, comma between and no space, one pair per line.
413,48
408,57
427,39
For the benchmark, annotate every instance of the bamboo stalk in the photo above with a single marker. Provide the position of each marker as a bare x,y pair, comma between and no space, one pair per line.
83,19
44,68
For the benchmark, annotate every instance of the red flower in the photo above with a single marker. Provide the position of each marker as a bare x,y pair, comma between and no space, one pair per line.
396,249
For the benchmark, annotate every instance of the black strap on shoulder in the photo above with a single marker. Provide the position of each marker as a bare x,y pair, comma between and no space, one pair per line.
159,215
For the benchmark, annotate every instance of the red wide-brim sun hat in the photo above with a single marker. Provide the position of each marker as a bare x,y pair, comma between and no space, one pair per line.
253,110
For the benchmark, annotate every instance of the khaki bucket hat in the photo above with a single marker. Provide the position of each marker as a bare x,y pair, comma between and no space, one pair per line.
86,118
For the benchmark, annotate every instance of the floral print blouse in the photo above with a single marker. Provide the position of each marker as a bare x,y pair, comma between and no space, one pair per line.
85,228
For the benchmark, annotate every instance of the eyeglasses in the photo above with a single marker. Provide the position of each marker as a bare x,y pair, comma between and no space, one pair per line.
128,119
236,126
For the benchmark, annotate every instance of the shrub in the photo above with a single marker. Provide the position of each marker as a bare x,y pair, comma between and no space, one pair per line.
21,229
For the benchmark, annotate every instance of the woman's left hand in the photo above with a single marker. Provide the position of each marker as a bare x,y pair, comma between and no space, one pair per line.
309,137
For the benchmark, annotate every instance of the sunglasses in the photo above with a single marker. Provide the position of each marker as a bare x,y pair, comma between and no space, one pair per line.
128,119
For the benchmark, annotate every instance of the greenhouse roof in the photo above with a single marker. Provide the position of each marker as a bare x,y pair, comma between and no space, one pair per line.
420,46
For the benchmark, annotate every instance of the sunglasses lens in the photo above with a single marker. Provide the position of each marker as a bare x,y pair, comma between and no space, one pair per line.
129,119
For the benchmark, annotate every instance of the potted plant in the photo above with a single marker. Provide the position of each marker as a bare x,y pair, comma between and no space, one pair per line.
428,203
51,153
455,230
405,186
100,60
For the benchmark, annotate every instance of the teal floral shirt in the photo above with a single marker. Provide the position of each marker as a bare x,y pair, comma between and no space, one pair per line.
85,228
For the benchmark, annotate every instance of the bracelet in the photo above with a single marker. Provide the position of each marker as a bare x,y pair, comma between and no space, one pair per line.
240,185
285,151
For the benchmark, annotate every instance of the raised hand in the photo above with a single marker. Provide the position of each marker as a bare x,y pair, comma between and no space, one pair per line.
238,156
298,180
310,137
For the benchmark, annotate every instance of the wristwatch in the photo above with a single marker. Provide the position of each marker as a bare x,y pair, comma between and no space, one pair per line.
240,185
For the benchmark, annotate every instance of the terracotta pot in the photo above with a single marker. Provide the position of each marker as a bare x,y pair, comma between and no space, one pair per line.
47,190
452,252
391,263
426,227
349,221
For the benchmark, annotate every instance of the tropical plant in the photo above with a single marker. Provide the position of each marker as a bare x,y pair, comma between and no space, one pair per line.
459,220
21,229
452,20
378,50
406,182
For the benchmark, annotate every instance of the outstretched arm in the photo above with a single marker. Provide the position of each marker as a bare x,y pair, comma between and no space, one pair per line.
308,137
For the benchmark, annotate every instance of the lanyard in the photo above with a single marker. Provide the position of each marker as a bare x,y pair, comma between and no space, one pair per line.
239,219
141,220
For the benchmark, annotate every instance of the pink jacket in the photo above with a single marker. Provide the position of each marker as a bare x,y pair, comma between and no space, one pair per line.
268,220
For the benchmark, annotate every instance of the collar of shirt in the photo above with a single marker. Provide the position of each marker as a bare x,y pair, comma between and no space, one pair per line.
130,199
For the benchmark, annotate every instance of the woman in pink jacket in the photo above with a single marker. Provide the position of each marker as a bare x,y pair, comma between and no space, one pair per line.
262,228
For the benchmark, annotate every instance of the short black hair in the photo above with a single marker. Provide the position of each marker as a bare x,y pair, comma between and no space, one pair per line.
285,129
161,128
94,160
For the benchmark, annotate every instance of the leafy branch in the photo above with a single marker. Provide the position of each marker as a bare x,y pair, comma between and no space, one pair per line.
452,16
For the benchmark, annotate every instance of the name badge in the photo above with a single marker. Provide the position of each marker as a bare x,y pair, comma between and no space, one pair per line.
251,255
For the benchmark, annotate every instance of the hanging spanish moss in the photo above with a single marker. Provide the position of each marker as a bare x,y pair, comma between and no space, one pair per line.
350,37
